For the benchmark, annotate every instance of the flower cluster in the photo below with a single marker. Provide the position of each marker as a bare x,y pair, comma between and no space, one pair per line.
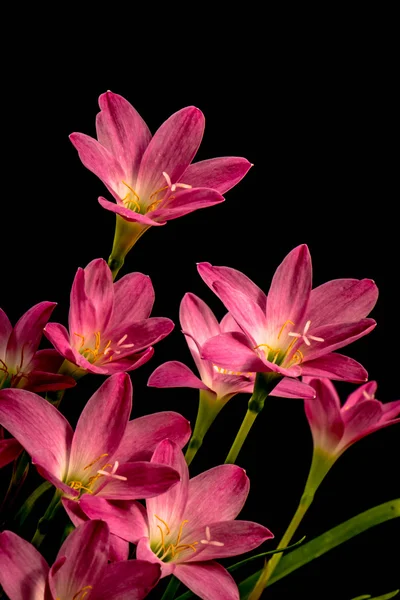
122,484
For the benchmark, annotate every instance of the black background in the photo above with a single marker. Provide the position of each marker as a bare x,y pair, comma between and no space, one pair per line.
318,124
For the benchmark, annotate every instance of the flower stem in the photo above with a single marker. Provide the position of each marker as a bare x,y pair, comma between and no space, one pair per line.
171,589
263,386
320,465
27,507
126,235
44,522
209,407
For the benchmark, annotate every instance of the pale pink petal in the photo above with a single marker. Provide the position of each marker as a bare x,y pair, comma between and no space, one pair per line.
171,150
219,174
134,298
27,333
119,549
141,480
82,313
323,414
101,425
86,553
175,374
336,336
142,333
59,337
5,332
40,428
99,160
185,202
290,290
218,494
342,301
232,537
123,132
127,214
364,392
99,289
225,386
228,324
293,388
143,435
127,580
10,449
169,506
127,363
235,279
197,318
126,519
144,552
23,570
335,366
208,580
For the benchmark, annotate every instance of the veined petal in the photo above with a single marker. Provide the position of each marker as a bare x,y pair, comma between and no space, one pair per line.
86,553
143,333
235,279
101,425
10,449
290,290
364,392
323,414
23,570
233,537
119,549
228,324
335,366
27,333
197,319
141,480
143,435
126,518
99,160
131,579
127,214
82,313
208,580
185,202
169,506
5,332
336,336
359,420
171,150
74,511
218,494
99,289
342,301
123,132
175,374
39,427
134,298
390,410
225,385
39,381
219,174
293,388
144,552
59,337
127,363
54,479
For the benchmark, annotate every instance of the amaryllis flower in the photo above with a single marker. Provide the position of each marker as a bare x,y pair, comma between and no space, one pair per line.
93,460
22,365
199,324
151,178
109,325
81,569
294,330
334,427
185,529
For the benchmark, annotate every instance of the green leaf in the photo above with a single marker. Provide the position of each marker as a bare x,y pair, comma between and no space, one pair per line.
327,541
250,558
384,597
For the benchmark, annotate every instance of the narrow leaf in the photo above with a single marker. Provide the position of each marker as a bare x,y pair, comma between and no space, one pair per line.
384,597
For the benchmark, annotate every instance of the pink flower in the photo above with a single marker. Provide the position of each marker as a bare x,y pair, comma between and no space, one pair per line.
109,325
334,428
152,179
104,456
80,569
199,325
294,330
185,529
22,365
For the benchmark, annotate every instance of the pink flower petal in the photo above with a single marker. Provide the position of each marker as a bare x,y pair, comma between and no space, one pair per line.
23,570
171,150
119,549
143,435
59,337
82,313
170,506
27,333
99,289
185,202
336,336
323,414
175,374
39,427
5,332
218,494
235,279
127,214
10,449
342,301
48,360
134,298
127,363
101,425
335,366
390,410
49,475
142,333
293,388
74,511
131,579
359,420
38,381
219,174
123,132
290,290
228,324
364,392
144,552
208,580
126,519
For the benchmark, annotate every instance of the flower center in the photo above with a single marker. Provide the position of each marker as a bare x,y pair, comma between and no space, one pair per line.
94,353
87,484
166,549
8,378
133,202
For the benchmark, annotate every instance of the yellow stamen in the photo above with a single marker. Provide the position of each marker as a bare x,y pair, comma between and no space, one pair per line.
85,591
178,539
164,523
95,461
283,327
178,549
276,356
82,338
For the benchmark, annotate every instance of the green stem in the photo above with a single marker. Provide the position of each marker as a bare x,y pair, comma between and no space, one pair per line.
126,235
209,408
320,465
171,589
30,502
44,522
263,385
